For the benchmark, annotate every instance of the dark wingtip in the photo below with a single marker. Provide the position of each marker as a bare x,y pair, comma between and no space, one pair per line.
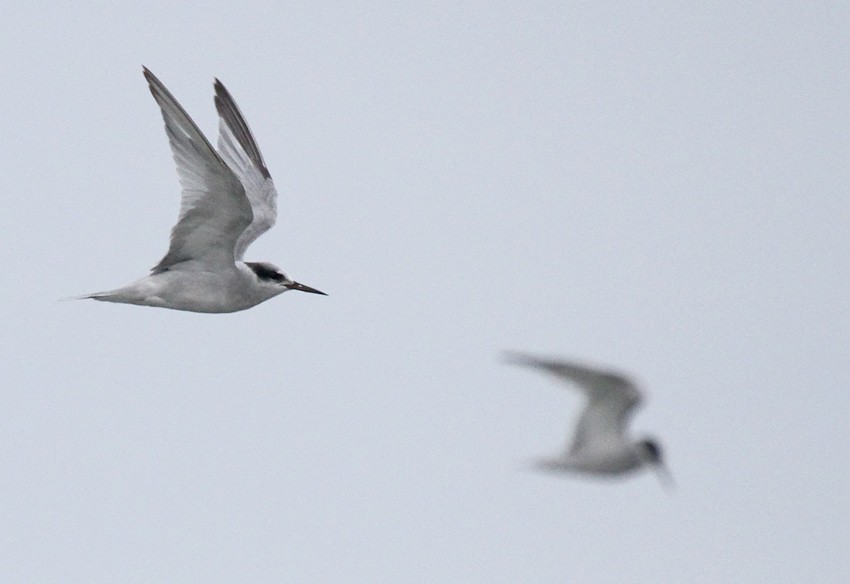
228,111
221,93
154,84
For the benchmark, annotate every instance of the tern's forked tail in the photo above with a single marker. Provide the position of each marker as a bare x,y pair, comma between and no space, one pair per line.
117,295
94,296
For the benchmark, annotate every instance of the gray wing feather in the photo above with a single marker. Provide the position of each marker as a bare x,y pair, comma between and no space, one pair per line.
239,150
611,398
214,211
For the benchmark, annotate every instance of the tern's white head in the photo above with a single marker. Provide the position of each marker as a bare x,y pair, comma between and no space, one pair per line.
273,281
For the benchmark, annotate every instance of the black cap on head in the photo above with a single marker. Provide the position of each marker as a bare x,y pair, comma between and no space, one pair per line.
651,450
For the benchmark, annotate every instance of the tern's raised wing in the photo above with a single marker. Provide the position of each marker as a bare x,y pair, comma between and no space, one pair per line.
214,210
611,399
239,150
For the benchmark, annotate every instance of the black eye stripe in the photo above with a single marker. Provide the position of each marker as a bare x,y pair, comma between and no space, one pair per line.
264,272
653,448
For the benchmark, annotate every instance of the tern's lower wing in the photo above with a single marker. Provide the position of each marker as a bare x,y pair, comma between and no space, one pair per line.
237,147
214,209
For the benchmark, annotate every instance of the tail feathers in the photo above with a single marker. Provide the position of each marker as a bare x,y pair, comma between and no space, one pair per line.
93,296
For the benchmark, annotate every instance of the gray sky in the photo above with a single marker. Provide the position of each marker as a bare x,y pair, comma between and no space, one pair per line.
658,187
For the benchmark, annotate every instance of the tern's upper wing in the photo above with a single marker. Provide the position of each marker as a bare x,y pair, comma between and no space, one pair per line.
239,150
214,210
611,399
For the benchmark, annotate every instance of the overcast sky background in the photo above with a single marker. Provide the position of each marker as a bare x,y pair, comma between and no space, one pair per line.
659,187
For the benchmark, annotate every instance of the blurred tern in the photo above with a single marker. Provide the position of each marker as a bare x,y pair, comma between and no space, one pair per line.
228,200
600,445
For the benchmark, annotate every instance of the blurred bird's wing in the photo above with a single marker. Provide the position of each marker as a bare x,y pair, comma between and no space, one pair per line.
611,398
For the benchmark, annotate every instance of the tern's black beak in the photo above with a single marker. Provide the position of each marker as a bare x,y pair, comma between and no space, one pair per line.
303,288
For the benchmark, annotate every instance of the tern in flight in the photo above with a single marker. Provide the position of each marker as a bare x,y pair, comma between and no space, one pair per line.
228,200
600,445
